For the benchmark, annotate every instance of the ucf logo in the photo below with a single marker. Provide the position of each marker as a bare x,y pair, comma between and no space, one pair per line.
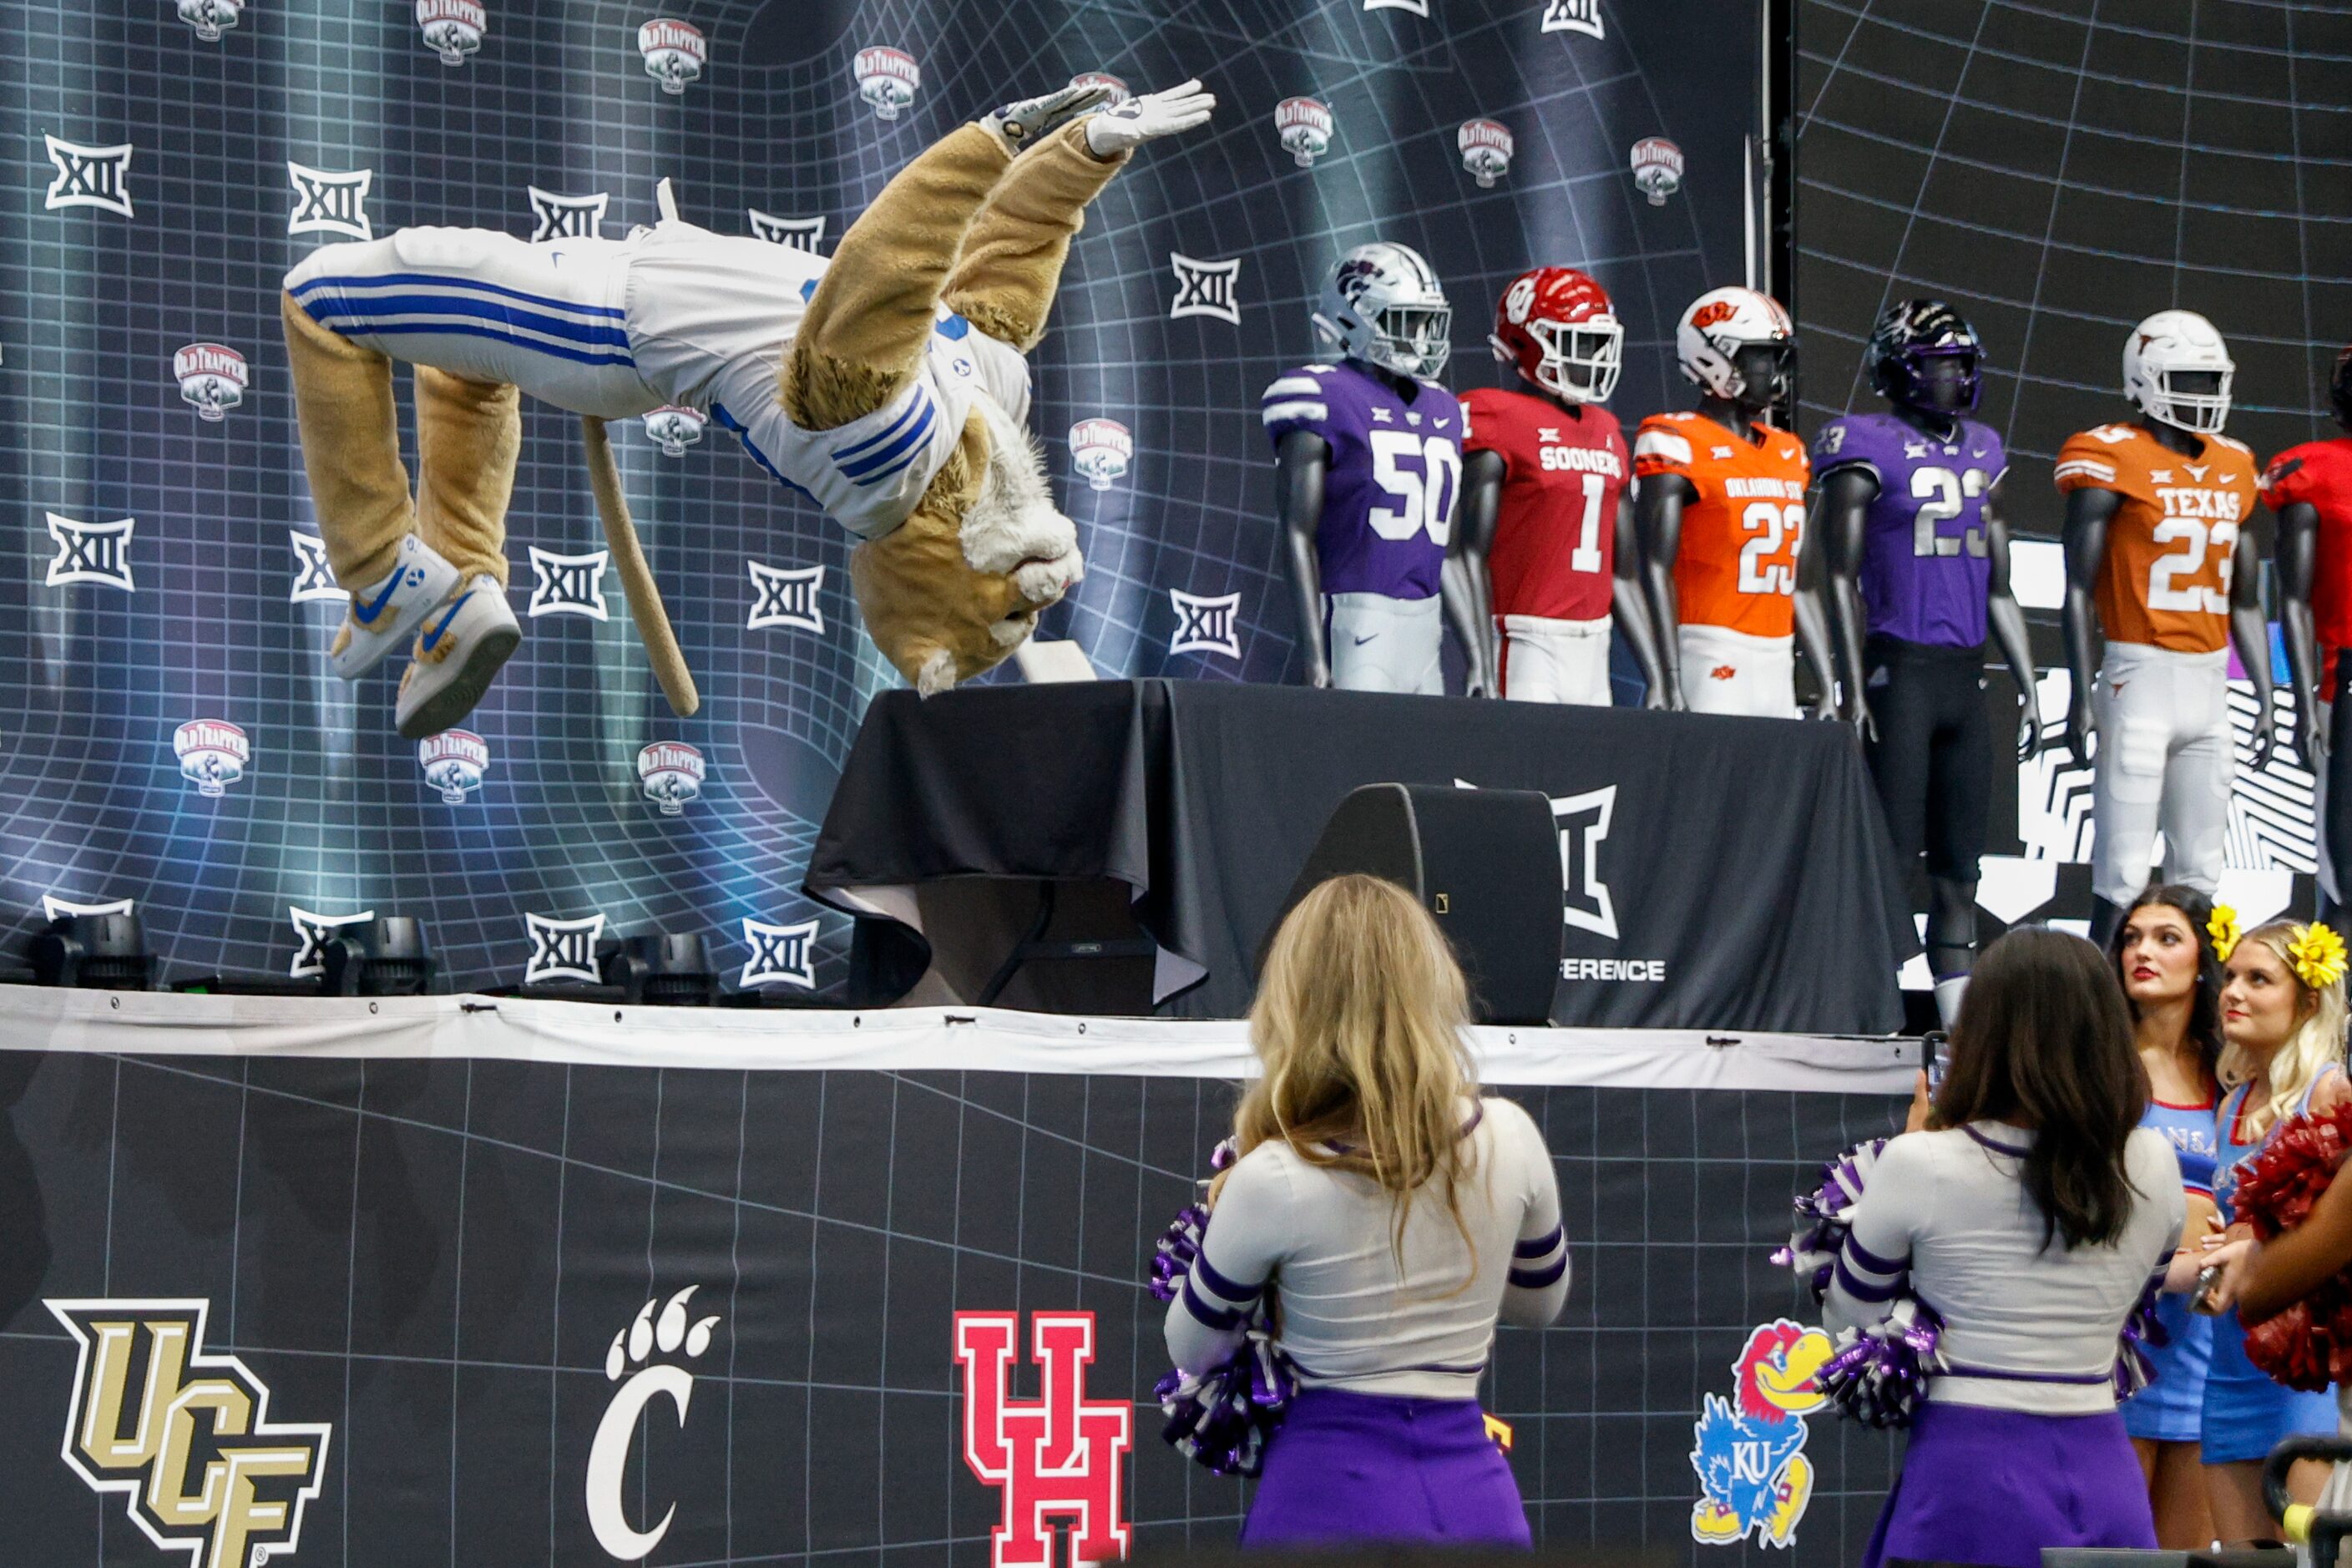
1056,1456
185,1437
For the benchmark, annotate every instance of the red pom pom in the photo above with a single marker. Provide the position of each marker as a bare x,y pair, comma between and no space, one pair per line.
2281,1183
2289,1350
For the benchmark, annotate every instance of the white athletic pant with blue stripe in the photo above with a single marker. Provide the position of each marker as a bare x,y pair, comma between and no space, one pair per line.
672,315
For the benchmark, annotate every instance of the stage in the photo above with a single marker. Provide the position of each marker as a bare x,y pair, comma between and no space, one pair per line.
440,1236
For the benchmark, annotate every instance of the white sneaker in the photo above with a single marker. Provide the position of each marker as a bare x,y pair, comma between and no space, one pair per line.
382,617
458,655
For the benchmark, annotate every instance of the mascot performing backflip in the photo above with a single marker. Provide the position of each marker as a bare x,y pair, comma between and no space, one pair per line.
885,383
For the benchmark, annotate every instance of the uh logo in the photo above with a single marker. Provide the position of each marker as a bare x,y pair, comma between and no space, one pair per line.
1057,1455
1749,1451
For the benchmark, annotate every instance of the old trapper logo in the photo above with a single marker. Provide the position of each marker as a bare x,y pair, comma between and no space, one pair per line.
185,1437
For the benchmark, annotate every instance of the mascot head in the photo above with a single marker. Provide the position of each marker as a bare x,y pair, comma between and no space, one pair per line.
1775,1370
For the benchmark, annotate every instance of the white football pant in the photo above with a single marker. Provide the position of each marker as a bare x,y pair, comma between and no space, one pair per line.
1725,671
1547,661
2166,761
1379,644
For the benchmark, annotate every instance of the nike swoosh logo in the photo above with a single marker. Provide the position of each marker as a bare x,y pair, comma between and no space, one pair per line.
366,617
433,637
1361,641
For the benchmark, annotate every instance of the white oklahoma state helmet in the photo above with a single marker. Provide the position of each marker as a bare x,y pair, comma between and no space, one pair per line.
1717,325
2168,345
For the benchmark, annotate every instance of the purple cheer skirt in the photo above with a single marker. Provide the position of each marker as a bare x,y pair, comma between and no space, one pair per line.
1367,1467
1997,1486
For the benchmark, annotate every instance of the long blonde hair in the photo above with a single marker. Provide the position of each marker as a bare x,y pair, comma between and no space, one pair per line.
2317,1041
1358,1026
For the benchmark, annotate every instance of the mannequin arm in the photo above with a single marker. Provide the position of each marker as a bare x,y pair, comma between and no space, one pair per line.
2088,513
2252,633
2298,569
1658,507
1300,463
1467,587
1627,607
1842,509
2007,623
1813,627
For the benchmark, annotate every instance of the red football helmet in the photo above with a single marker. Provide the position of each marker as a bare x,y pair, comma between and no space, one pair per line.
1558,326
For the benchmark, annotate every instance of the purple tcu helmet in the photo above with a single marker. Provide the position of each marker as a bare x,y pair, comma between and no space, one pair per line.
1909,331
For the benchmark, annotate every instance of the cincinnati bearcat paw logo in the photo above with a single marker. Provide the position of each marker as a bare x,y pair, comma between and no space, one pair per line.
662,1329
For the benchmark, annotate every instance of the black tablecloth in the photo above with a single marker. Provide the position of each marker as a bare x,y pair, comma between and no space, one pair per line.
1722,873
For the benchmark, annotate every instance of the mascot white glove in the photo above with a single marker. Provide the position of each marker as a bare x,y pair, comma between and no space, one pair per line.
1155,114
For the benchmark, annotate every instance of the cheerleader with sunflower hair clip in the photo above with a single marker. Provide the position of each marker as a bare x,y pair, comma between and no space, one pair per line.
2283,1018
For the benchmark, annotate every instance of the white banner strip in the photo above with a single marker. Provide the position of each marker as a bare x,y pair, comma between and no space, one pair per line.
508,1028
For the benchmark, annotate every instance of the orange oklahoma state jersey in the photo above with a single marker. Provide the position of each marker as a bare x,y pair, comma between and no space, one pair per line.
2173,540
1737,564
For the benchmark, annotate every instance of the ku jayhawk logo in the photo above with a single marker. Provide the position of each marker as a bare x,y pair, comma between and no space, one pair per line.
676,1336
1748,1450
185,1435
1055,1457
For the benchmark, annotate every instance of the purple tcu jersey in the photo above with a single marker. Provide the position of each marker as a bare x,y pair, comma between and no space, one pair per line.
1396,466
1925,562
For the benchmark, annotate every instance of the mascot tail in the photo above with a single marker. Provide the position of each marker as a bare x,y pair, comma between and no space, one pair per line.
636,578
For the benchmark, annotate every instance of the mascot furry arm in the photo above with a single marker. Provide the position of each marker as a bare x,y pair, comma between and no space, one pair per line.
887,383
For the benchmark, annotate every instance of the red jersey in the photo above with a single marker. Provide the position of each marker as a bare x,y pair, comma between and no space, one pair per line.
1556,529
2320,472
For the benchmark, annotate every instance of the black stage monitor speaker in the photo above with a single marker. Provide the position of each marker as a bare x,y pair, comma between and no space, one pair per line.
1486,862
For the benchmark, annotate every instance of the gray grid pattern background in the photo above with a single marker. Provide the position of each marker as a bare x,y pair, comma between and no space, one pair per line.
435,1258
333,814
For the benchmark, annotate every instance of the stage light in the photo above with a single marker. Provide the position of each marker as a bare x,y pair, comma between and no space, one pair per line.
96,952
662,970
383,957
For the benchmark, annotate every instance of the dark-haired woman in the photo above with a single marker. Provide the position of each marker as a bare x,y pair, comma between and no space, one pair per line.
2030,1216
2164,956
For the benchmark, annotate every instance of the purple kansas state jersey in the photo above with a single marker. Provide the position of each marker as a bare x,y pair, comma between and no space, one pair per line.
1396,466
1925,564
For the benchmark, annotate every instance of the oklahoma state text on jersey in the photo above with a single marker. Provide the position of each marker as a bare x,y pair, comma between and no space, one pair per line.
1555,544
1737,564
2174,538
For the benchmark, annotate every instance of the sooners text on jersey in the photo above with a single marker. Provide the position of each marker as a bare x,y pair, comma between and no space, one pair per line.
1737,568
1556,529
1926,564
2320,473
1396,466
2174,537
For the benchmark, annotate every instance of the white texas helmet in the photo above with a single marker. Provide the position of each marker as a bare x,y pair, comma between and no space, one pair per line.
2168,345
1384,306
1717,326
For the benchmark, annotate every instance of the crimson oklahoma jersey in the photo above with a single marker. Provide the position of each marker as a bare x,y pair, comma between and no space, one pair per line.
1556,529
2320,473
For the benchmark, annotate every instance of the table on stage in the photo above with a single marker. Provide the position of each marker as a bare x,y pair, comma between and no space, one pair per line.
1721,873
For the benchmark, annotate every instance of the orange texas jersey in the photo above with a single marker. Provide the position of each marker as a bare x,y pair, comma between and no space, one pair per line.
2174,537
1737,564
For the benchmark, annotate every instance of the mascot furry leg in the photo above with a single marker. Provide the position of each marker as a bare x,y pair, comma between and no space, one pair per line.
951,591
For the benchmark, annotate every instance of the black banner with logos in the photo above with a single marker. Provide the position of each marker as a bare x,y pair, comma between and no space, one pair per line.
1720,873
484,1313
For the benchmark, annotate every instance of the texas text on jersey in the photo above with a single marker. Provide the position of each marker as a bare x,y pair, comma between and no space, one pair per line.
2166,579
1555,532
1737,568
1395,466
1926,564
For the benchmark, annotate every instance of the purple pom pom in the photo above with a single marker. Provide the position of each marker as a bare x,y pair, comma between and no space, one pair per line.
1224,1154
1879,1375
1173,1256
1825,1215
1222,1417
2135,1370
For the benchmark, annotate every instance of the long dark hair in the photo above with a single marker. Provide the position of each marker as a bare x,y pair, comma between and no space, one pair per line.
2043,1040
2205,1001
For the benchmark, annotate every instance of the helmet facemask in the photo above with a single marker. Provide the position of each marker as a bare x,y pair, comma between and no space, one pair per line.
1761,373
1411,340
1580,359
2193,399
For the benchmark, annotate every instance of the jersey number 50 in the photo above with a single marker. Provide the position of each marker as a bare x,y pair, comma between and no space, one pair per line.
1764,567
1421,476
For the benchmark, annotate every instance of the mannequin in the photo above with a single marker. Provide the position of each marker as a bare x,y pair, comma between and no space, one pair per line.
1546,502
1368,468
1733,603
1916,553
2310,489
2154,552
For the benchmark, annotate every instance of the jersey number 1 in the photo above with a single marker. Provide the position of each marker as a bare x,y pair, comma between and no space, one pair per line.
1421,476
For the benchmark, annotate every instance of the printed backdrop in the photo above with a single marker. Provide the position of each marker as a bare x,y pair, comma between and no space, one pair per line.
172,735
